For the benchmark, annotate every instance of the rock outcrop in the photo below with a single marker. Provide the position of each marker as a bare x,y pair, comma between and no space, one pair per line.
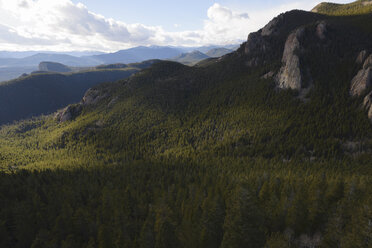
321,30
69,113
92,96
361,57
363,79
290,76
367,103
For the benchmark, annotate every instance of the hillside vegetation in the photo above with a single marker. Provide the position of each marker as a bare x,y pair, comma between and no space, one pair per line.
216,155
359,7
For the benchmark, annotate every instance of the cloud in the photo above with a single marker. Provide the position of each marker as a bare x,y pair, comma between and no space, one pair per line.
59,20
225,25
62,25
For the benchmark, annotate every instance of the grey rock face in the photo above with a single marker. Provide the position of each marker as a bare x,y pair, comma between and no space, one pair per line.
363,79
290,76
367,103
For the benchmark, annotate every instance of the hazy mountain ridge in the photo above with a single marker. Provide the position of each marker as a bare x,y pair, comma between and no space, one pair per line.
190,58
19,60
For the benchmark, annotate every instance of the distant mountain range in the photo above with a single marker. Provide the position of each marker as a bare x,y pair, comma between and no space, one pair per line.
13,64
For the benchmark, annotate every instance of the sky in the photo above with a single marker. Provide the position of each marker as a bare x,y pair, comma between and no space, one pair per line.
111,25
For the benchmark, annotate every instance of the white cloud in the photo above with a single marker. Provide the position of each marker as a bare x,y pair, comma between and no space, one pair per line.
225,25
62,20
63,25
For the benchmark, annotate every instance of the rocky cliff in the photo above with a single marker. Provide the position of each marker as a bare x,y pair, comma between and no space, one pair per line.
290,76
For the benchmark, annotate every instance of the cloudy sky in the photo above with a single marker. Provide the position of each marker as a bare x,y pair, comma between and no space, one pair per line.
110,25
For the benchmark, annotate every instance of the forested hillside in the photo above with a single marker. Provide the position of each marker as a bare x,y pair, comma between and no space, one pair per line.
264,147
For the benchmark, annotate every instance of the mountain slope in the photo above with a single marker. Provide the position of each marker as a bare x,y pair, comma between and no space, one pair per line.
263,147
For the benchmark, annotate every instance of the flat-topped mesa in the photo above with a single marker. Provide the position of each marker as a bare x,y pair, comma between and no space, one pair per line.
290,76
53,67
363,79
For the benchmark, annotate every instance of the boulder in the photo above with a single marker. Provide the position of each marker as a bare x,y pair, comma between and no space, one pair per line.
290,76
363,79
